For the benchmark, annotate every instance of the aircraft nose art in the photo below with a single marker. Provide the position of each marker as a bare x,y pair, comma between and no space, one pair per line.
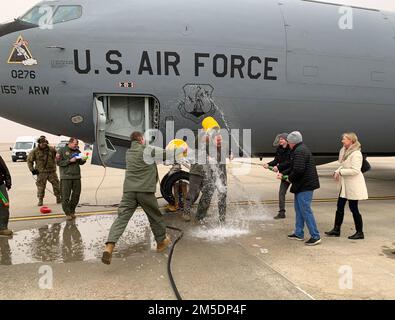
20,53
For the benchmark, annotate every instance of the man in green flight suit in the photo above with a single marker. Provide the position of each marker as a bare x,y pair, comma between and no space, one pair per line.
41,162
139,188
69,160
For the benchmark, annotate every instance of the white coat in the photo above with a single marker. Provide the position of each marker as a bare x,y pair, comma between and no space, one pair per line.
352,182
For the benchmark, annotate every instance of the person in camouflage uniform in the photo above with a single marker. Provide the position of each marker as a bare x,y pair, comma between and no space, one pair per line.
208,173
41,162
196,175
215,177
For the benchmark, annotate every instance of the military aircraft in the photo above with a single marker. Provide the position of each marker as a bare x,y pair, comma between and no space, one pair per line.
101,69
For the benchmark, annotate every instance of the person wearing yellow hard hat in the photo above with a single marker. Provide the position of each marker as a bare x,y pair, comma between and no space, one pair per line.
179,188
211,175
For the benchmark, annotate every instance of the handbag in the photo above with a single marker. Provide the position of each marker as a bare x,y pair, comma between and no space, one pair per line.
365,165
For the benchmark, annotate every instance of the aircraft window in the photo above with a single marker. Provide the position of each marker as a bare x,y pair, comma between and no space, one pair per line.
67,13
37,13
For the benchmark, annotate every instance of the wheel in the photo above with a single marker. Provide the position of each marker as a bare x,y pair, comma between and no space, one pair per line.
169,181
162,183
13,159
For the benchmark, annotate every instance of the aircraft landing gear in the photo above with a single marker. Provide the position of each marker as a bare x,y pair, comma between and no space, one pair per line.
174,186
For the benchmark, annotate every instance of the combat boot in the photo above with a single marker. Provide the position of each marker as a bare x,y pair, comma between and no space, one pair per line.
6,232
163,245
171,208
40,202
107,253
58,199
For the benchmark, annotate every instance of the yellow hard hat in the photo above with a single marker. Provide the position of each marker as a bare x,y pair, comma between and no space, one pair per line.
210,123
178,143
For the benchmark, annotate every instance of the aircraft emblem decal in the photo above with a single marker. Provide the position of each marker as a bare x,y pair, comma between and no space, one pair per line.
21,54
198,102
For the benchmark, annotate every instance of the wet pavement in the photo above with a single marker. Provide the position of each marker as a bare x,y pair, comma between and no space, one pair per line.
207,256
249,257
83,239
73,241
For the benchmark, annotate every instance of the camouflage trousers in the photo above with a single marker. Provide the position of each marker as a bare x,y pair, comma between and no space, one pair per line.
215,179
41,183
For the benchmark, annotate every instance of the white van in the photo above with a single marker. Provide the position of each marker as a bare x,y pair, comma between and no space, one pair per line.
22,147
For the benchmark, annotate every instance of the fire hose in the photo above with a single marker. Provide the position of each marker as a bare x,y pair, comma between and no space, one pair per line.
169,271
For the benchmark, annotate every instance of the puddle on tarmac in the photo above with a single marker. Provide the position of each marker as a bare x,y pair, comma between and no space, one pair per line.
81,240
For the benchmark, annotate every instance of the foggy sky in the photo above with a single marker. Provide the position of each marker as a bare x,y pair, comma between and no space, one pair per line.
12,9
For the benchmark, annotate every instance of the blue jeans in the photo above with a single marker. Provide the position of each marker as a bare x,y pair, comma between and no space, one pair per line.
304,214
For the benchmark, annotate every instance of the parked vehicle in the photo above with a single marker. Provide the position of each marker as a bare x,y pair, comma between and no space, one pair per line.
62,144
22,147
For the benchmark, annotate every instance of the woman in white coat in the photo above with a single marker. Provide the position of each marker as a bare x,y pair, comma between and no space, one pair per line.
352,185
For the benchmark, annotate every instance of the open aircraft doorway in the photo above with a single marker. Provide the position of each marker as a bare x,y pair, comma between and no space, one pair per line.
116,117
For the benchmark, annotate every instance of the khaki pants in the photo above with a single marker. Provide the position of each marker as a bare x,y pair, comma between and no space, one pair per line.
130,202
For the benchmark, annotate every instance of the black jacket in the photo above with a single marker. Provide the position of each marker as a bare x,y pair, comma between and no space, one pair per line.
5,177
282,159
302,172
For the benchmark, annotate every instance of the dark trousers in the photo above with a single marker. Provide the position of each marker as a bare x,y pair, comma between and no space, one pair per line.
4,211
71,191
284,186
353,204
5,252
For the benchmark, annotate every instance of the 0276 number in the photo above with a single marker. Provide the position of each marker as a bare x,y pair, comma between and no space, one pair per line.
23,74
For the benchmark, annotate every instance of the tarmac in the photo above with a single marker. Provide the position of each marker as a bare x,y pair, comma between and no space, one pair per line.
249,257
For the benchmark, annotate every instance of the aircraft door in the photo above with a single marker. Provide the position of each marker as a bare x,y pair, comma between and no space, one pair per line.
103,146
116,117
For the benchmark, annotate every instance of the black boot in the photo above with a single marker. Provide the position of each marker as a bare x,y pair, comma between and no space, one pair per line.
335,232
281,215
357,236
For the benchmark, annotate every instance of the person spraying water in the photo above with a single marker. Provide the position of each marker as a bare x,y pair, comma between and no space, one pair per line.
280,163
